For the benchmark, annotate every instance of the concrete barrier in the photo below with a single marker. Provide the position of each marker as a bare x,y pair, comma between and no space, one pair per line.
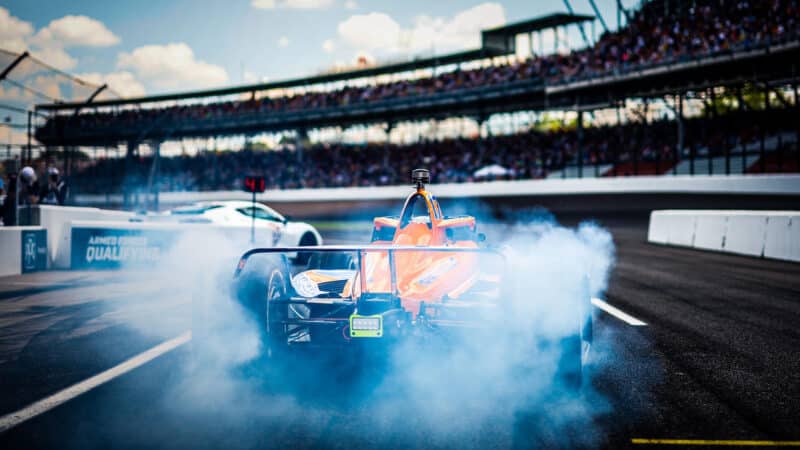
673,227
22,249
709,231
783,237
768,234
658,229
746,233
55,218
681,229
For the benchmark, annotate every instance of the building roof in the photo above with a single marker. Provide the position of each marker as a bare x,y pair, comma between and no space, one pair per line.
537,24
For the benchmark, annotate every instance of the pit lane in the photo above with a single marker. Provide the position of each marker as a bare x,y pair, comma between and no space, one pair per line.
716,361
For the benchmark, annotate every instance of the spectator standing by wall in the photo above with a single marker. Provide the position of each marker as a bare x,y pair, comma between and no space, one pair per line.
8,210
28,187
55,191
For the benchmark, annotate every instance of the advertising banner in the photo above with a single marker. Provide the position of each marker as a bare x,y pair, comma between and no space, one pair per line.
34,250
111,248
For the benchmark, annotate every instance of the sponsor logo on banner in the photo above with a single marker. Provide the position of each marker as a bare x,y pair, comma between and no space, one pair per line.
113,248
34,250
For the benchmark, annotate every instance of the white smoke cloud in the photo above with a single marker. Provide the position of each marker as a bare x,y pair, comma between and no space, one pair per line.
474,389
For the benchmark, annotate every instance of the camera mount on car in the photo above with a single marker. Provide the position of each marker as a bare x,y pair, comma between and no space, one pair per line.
419,177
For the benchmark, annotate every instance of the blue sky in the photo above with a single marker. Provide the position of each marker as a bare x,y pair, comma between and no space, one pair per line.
149,46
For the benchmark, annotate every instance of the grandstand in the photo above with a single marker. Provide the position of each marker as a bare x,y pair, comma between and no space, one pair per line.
672,52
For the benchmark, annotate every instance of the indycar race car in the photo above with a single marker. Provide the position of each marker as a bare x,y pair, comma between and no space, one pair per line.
423,276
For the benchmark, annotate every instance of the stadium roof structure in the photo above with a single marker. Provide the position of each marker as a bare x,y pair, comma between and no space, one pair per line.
495,42
537,24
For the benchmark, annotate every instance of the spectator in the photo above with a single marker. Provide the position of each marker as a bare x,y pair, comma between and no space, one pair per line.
527,155
9,208
55,192
28,187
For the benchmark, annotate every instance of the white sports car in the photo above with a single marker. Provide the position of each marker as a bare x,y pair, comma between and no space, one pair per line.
271,228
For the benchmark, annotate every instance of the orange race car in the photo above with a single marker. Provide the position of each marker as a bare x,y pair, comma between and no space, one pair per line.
422,274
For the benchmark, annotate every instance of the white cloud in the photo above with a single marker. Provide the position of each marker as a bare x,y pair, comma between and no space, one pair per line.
75,31
371,31
291,4
56,57
283,42
121,82
328,45
48,43
13,32
380,32
251,78
350,4
48,85
171,66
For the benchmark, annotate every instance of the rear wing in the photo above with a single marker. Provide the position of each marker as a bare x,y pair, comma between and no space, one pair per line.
361,250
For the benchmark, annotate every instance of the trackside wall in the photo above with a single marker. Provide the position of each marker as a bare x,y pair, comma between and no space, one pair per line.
765,234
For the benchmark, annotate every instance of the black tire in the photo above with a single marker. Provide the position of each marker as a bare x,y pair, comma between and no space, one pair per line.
574,351
306,240
274,329
570,365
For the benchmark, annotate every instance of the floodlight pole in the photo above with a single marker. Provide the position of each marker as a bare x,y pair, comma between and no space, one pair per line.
253,219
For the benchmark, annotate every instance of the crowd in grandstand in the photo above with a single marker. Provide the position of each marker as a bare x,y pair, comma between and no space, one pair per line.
653,36
529,155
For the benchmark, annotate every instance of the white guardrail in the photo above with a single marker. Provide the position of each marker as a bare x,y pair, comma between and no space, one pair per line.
767,234
22,249
668,184
56,220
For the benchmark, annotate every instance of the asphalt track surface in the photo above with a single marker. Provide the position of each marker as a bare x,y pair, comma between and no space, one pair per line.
719,359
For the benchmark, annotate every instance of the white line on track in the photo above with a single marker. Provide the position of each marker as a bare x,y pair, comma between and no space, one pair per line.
13,419
621,315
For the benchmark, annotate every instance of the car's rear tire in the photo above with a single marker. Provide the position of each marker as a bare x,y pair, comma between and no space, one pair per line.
575,350
570,365
275,315
307,240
